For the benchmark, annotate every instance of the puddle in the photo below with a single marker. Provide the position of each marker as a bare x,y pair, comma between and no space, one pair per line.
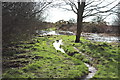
89,36
100,37
57,44
92,70
42,32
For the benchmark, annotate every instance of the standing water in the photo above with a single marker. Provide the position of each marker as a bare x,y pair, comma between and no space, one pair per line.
90,36
92,70
100,37
57,44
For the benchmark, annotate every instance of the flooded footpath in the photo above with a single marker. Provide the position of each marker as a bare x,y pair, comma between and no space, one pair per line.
89,36
101,37
92,70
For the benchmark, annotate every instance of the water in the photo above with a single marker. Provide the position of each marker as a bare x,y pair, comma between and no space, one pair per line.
57,44
89,36
100,37
42,32
92,70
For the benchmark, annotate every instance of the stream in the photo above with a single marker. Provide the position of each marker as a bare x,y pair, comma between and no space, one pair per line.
89,36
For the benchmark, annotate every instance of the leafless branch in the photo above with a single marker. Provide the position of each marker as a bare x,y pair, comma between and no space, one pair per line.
43,7
73,9
98,11
73,4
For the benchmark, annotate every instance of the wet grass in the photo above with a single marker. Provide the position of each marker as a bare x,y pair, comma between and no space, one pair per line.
104,57
39,59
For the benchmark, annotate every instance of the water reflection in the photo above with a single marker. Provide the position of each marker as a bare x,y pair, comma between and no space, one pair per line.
100,37
89,36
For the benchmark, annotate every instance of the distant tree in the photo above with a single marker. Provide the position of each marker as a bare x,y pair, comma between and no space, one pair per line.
72,20
117,20
98,19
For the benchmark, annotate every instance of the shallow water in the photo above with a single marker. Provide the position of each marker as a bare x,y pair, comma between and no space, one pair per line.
57,44
91,73
92,70
100,37
42,32
89,36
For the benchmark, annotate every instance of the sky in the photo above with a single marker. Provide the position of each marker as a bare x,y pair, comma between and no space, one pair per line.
56,14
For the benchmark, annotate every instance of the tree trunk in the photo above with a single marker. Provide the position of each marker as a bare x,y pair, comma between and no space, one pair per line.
79,20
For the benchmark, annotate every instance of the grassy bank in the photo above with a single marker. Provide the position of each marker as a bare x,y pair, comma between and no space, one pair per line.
39,59
105,57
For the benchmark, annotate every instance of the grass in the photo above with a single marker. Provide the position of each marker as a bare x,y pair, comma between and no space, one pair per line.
105,57
39,59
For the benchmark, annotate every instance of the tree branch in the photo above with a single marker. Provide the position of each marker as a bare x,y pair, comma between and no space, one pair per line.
41,9
98,11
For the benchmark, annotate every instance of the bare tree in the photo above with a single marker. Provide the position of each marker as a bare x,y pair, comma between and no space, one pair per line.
87,8
117,12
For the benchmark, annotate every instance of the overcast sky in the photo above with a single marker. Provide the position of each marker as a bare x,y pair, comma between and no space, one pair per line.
56,14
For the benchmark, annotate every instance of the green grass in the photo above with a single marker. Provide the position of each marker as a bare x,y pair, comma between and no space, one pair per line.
39,59
105,57
42,60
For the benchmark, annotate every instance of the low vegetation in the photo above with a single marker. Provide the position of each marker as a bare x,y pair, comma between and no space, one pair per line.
104,57
39,59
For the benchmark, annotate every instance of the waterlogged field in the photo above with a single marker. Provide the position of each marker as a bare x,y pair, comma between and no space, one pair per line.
39,59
